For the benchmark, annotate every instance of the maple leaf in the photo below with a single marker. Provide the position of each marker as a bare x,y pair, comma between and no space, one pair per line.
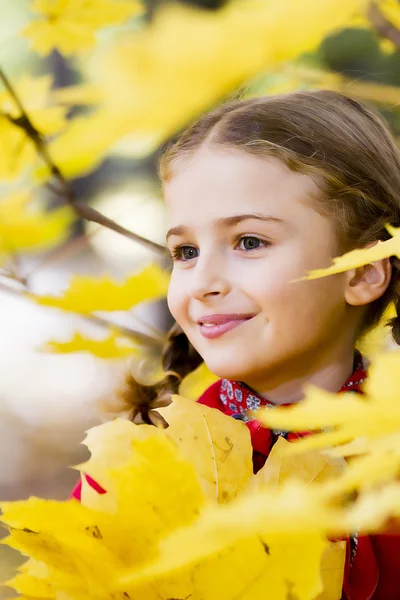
107,348
25,226
197,382
150,491
70,26
217,448
361,256
89,294
378,339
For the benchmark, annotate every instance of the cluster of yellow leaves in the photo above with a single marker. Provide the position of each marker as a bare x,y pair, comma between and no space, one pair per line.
365,428
70,26
86,295
158,79
242,38
17,151
292,76
26,226
183,516
160,532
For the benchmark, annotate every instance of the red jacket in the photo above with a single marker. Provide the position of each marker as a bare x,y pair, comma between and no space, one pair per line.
374,573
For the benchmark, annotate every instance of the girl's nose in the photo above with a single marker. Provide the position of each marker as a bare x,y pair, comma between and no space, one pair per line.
210,278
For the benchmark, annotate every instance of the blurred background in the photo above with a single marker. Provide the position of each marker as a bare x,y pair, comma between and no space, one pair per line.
48,400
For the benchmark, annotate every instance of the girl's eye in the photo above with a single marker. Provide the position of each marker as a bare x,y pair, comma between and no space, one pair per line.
184,253
250,242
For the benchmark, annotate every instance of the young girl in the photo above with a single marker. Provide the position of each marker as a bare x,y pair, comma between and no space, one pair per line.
260,192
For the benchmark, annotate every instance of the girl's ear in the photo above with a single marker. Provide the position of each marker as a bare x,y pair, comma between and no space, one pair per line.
368,283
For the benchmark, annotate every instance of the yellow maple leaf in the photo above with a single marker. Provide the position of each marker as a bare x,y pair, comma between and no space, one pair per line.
84,93
311,467
361,256
70,26
284,466
218,448
88,294
84,143
377,339
108,348
25,226
150,491
197,382
278,533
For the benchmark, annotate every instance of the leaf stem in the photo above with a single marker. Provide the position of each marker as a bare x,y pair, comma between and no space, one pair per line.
136,336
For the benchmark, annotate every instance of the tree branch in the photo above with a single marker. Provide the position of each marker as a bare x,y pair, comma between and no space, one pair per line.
382,25
82,209
136,336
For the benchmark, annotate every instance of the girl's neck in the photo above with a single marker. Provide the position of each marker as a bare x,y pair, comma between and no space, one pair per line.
329,375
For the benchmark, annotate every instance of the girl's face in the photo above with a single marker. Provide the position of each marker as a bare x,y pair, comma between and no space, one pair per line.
242,228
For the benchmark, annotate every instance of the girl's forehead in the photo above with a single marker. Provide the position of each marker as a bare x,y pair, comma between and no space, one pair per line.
220,183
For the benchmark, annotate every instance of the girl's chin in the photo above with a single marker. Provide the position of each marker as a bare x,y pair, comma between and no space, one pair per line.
229,370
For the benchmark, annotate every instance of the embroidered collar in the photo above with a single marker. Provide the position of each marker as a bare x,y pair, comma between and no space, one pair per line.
238,398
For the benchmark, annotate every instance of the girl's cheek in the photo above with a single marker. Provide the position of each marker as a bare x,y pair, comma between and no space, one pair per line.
177,296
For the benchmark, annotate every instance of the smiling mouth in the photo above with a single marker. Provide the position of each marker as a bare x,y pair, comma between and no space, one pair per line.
217,326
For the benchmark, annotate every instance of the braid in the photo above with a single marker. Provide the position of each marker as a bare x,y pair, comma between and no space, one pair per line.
179,358
395,322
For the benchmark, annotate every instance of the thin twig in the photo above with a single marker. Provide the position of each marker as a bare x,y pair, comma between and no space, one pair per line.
136,336
82,209
382,25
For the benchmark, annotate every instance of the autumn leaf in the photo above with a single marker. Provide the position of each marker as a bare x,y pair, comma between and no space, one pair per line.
218,448
150,491
26,226
197,382
378,339
361,256
84,143
272,530
107,348
70,26
283,466
89,294
84,93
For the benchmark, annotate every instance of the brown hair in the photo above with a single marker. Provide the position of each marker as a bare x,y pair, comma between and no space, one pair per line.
345,146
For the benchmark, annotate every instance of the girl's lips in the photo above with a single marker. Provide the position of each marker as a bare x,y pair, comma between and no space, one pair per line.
214,330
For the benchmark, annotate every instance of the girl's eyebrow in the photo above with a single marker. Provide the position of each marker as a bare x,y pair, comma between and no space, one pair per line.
228,222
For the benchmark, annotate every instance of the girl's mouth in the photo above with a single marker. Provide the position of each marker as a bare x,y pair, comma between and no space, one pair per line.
214,326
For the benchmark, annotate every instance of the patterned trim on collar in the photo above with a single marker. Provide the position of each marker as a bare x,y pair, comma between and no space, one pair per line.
238,398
